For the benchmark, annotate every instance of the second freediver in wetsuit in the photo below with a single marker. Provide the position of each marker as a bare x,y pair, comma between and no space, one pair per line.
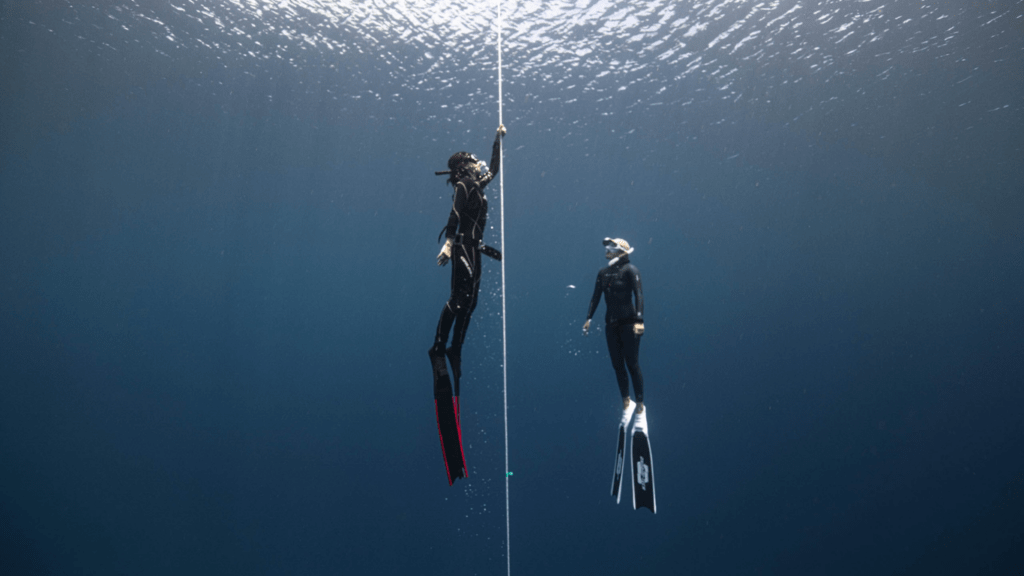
463,245
623,294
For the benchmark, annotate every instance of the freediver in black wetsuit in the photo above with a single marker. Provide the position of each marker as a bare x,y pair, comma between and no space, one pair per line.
463,245
624,318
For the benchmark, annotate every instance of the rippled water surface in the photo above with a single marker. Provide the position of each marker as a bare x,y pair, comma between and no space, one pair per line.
614,56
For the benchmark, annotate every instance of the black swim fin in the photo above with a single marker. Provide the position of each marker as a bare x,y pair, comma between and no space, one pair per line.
620,451
454,356
446,406
643,465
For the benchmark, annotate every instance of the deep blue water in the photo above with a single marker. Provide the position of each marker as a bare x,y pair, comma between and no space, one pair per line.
218,286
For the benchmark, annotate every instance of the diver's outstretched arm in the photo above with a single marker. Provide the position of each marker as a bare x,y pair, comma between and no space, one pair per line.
496,151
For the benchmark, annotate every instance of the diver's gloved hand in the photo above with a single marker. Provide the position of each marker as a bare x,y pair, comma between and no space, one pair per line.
501,129
638,328
446,253
586,327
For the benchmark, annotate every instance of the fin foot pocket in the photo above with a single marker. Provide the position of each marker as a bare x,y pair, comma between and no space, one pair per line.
455,359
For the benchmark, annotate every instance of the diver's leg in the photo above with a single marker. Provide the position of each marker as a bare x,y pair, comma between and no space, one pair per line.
444,325
611,335
448,315
471,293
631,354
464,285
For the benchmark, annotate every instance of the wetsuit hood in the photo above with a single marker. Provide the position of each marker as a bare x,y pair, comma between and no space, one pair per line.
619,247
460,158
459,166
618,244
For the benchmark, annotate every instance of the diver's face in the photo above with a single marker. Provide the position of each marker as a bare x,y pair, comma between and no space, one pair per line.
609,254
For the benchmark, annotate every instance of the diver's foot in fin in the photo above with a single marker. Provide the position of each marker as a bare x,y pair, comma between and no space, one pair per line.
627,412
455,358
639,407
442,382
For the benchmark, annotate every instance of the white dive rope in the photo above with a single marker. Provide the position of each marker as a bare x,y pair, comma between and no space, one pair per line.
504,346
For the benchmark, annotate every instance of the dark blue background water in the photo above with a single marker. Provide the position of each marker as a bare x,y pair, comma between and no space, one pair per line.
218,287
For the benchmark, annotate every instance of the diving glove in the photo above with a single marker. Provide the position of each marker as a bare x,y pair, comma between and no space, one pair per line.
446,253
638,328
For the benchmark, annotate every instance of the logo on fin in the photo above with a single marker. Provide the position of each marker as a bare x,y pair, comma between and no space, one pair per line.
642,471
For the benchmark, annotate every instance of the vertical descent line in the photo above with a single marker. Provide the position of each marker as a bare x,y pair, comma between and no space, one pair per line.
504,327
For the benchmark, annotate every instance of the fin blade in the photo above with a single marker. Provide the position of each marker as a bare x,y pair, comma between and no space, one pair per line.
620,452
643,466
446,407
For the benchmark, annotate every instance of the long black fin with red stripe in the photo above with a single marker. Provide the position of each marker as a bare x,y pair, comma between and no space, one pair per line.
446,405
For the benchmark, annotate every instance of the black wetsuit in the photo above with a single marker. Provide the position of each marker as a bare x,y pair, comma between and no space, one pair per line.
619,283
465,229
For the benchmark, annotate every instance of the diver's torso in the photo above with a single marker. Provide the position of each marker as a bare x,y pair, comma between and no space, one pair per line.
617,285
473,218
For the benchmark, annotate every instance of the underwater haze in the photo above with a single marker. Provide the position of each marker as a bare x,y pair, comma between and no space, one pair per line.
218,285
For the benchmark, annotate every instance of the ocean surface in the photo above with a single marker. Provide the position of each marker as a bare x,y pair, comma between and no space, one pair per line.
218,226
